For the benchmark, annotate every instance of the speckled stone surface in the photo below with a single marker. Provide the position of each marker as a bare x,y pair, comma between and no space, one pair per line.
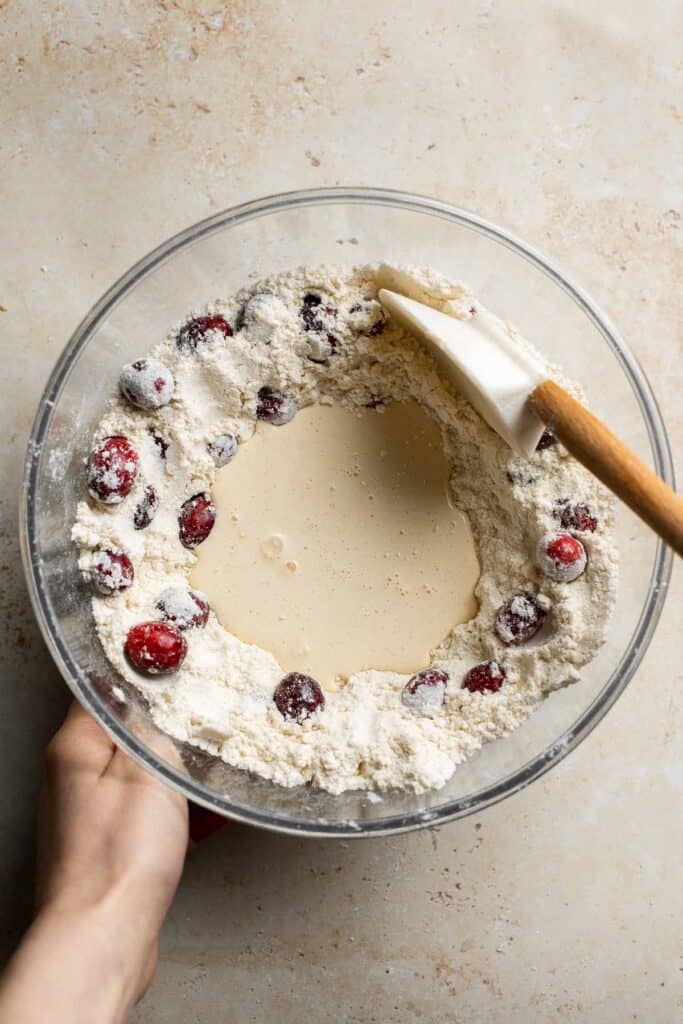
123,123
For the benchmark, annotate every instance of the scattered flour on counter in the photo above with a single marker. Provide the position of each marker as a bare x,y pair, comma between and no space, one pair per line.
221,698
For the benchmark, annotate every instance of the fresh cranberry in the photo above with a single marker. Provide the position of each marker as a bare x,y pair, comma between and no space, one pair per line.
155,647
162,444
309,312
367,317
112,469
320,320
519,619
575,516
147,383
561,556
275,407
196,519
297,696
426,691
195,331
259,314
222,449
485,678
548,440
184,608
111,571
146,508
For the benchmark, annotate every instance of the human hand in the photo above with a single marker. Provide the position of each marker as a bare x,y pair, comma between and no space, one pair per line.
111,846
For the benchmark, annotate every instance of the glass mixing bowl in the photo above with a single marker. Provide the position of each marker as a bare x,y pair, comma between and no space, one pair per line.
215,258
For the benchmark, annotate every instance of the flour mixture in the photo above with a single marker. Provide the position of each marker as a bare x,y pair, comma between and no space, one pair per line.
455,599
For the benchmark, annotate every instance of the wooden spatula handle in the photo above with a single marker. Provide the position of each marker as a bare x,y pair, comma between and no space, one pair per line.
594,445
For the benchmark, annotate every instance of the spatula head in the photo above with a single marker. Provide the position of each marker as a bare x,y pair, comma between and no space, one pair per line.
486,365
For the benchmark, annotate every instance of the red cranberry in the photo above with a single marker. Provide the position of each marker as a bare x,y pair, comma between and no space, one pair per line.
375,401
196,519
155,647
575,516
519,619
297,696
222,449
275,407
195,331
561,556
319,320
162,444
146,508
548,440
426,691
111,571
485,678
147,383
311,307
184,608
112,470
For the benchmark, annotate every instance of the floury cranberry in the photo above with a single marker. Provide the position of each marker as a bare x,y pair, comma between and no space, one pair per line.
200,330
561,557
576,516
367,317
319,321
222,449
146,508
488,677
196,519
260,316
155,648
298,696
147,383
112,470
519,619
548,440
111,572
183,607
426,691
160,442
275,407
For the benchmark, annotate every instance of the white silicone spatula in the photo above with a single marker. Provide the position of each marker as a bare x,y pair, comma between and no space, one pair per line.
511,391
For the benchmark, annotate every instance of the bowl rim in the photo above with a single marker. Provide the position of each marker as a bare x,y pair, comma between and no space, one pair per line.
81,687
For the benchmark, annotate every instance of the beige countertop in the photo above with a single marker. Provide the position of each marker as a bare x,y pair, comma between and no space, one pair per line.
125,122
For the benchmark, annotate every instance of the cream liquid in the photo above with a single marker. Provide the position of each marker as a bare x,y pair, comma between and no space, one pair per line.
336,546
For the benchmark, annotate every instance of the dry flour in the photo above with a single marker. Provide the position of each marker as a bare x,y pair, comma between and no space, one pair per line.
221,699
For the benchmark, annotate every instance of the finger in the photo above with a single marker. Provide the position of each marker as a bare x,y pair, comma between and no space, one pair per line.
123,769
79,743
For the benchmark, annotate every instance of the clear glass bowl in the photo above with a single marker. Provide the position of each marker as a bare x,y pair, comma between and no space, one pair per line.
213,259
